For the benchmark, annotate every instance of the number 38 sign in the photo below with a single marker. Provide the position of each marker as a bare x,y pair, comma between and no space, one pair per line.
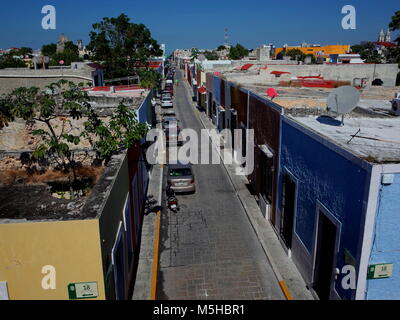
82,290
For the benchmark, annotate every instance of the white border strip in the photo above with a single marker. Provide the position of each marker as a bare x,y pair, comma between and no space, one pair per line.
369,224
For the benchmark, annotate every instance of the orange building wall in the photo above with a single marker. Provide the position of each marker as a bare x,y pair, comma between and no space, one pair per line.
331,49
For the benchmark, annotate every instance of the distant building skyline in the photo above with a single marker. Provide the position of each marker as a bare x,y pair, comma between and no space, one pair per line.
203,27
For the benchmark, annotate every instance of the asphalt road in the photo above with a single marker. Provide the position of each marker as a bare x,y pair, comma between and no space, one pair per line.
209,250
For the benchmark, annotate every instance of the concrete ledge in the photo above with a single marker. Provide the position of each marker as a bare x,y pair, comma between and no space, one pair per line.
144,279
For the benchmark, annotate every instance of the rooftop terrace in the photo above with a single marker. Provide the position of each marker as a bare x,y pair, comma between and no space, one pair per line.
376,139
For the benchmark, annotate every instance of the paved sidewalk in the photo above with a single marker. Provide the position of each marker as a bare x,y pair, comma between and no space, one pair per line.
143,283
284,268
144,276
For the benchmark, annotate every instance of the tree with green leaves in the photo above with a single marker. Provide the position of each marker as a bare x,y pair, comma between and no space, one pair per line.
9,60
313,58
221,48
68,55
367,52
120,133
55,107
22,52
295,54
122,45
394,53
394,24
36,106
194,53
49,49
211,55
5,114
149,78
238,52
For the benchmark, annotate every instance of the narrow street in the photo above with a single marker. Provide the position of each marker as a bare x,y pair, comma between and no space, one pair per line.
208,250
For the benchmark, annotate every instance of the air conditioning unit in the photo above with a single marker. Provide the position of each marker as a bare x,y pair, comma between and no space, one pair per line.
396,105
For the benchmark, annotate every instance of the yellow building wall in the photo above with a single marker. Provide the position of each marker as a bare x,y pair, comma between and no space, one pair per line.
72,247
330,49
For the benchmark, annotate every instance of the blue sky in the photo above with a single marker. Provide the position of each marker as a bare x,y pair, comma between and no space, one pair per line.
185,24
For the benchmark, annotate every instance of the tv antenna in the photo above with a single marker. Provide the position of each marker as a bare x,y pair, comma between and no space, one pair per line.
343,100
226,37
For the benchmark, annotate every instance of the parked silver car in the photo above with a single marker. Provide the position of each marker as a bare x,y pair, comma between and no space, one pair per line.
166,102
170,122
181,178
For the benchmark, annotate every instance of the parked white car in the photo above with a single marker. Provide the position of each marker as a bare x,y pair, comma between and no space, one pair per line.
166,102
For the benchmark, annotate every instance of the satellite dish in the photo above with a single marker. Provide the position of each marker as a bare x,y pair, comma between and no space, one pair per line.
343,100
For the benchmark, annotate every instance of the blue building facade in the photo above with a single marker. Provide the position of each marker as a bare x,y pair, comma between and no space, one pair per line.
328,184
332,210
386,244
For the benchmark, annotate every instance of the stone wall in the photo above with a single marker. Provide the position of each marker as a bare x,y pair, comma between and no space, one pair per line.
342,72
11,79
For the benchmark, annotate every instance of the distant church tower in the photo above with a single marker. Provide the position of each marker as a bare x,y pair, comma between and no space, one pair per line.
381,36
61,43
388,39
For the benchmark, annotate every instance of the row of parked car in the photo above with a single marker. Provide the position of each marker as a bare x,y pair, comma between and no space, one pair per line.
180,176
167,95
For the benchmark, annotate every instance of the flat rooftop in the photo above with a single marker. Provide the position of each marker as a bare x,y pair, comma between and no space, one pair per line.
130,91
27,200
295,97
377,140
377,132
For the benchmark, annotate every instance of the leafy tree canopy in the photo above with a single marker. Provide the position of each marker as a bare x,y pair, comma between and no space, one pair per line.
34,105
68,55
55,107
120,44
22,52
221,47
149,78
194,53
8,61
238,52
394,24
211,55
49,49
295,54
367,52
5,113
